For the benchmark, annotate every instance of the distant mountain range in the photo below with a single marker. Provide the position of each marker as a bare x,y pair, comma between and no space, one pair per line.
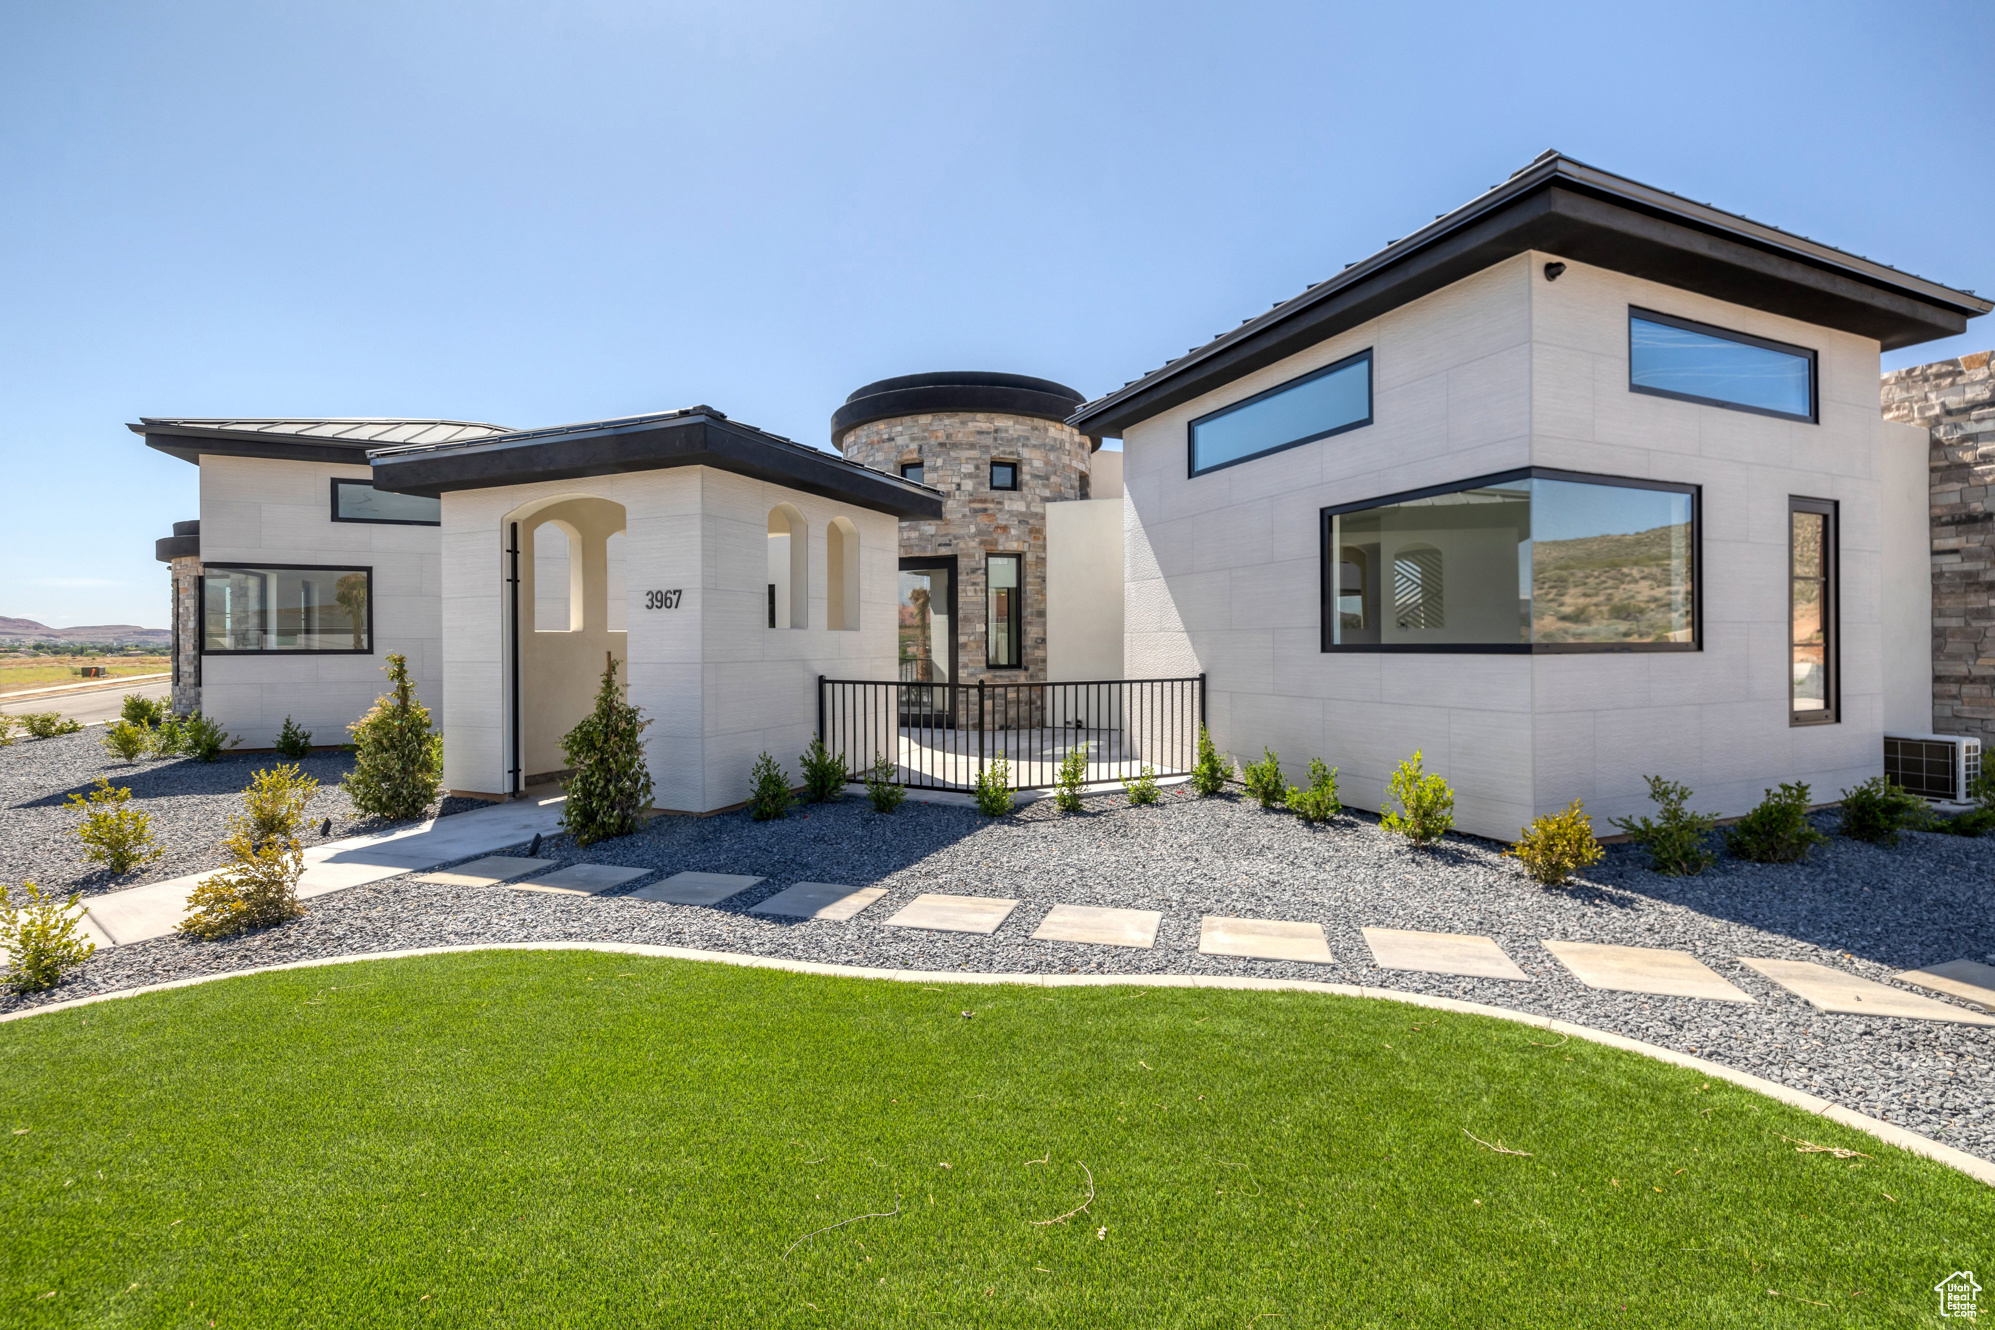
28,630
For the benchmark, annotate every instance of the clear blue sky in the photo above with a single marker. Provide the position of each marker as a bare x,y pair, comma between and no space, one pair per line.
533,213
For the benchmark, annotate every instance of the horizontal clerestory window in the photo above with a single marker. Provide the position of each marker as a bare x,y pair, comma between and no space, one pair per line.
286,607
1325,402
1526,561
1694,362
359,501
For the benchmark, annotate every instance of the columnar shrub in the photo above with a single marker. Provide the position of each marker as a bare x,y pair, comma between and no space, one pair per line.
1878,809
48,724
130,740
1209,772
1675,839
1263,779
113,831
993,789
274,802
259,887
1316,802
1556,846
147,711
397,757
886,793
611,787
824,772
1777,831
293,741
1426,804
41,938
1073,774
1142,788
769,794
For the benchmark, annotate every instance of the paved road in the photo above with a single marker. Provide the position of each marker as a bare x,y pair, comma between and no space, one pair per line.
96,705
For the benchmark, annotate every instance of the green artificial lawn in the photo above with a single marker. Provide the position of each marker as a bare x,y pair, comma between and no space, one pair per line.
580,1139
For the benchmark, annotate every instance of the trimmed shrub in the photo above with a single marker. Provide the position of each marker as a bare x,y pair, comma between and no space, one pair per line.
146,711
1073,775
273,804
258,888
292,741
886,793
1263,779
41,938
397,757
611,787
1318,801
1878,809
1777,831
769,794
48,724
130,740
1556,846
1426,804
203,738
824,772
1142,789
1209,772
114,832
993,791
1675,840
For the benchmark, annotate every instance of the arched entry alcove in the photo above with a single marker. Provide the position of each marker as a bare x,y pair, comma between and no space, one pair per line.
560,624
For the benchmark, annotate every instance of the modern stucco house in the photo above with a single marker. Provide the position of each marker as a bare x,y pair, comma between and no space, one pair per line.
1580,481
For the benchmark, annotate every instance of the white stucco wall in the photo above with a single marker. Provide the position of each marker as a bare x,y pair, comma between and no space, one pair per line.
1504,370
1084,589
1907,608
258,510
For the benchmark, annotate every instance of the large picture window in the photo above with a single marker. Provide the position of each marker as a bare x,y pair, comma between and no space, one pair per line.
286,607
1004,610
1328,401
1531,560
1672,357
359,501
1811,566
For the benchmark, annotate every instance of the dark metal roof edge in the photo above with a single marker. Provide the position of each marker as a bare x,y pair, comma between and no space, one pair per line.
210,428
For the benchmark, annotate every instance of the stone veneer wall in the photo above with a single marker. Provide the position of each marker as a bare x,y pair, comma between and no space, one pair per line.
956,450
1955,401
186,581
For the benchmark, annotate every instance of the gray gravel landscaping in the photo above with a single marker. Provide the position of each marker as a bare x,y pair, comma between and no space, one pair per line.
189,803
1865,910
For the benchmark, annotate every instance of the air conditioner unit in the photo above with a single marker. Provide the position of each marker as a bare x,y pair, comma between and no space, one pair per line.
1933,766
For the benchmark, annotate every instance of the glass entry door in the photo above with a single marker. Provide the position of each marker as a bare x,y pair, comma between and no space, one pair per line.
927,630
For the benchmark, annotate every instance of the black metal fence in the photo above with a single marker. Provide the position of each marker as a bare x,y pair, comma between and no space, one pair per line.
943,736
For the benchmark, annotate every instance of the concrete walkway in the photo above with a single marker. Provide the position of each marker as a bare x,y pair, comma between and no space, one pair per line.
120,917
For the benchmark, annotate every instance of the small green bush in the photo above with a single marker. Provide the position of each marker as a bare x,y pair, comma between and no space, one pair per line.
170,738
993,790
825,773
769,794
886,793
203,738
41,938
259,887
1209,772
397,757
130,740
1426,804
1073,774
1142,788
1316,802
292,741
1263,779
274,803
1974,822
146,711
1674,840
6,731
114,832
48,724
1777,831
1878,809
1556,846
611,787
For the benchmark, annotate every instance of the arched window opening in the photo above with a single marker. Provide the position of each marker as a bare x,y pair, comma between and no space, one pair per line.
1417,596
557,578
614,585
789,568
841,572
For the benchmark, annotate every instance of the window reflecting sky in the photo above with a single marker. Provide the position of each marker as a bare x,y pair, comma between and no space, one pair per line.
1699,365
1327,402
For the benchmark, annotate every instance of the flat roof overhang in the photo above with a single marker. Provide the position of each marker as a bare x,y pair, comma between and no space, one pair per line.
1560,207
189,446
647,443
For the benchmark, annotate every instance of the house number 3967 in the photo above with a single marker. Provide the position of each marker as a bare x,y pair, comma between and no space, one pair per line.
662,600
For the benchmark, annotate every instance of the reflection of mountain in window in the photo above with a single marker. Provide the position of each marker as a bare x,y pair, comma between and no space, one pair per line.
1417,598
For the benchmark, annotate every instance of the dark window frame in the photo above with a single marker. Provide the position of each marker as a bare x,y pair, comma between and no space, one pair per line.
1017,616
1192,468
921,562
915,466
1832,612
369,650
337,481
1327,575
1726,334
997,462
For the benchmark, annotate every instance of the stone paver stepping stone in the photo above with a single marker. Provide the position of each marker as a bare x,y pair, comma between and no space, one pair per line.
1106,927
696,888
1970,981
1644,970
487,872
819,900
1442,953
1263,939
1834,991
955,914
582,879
